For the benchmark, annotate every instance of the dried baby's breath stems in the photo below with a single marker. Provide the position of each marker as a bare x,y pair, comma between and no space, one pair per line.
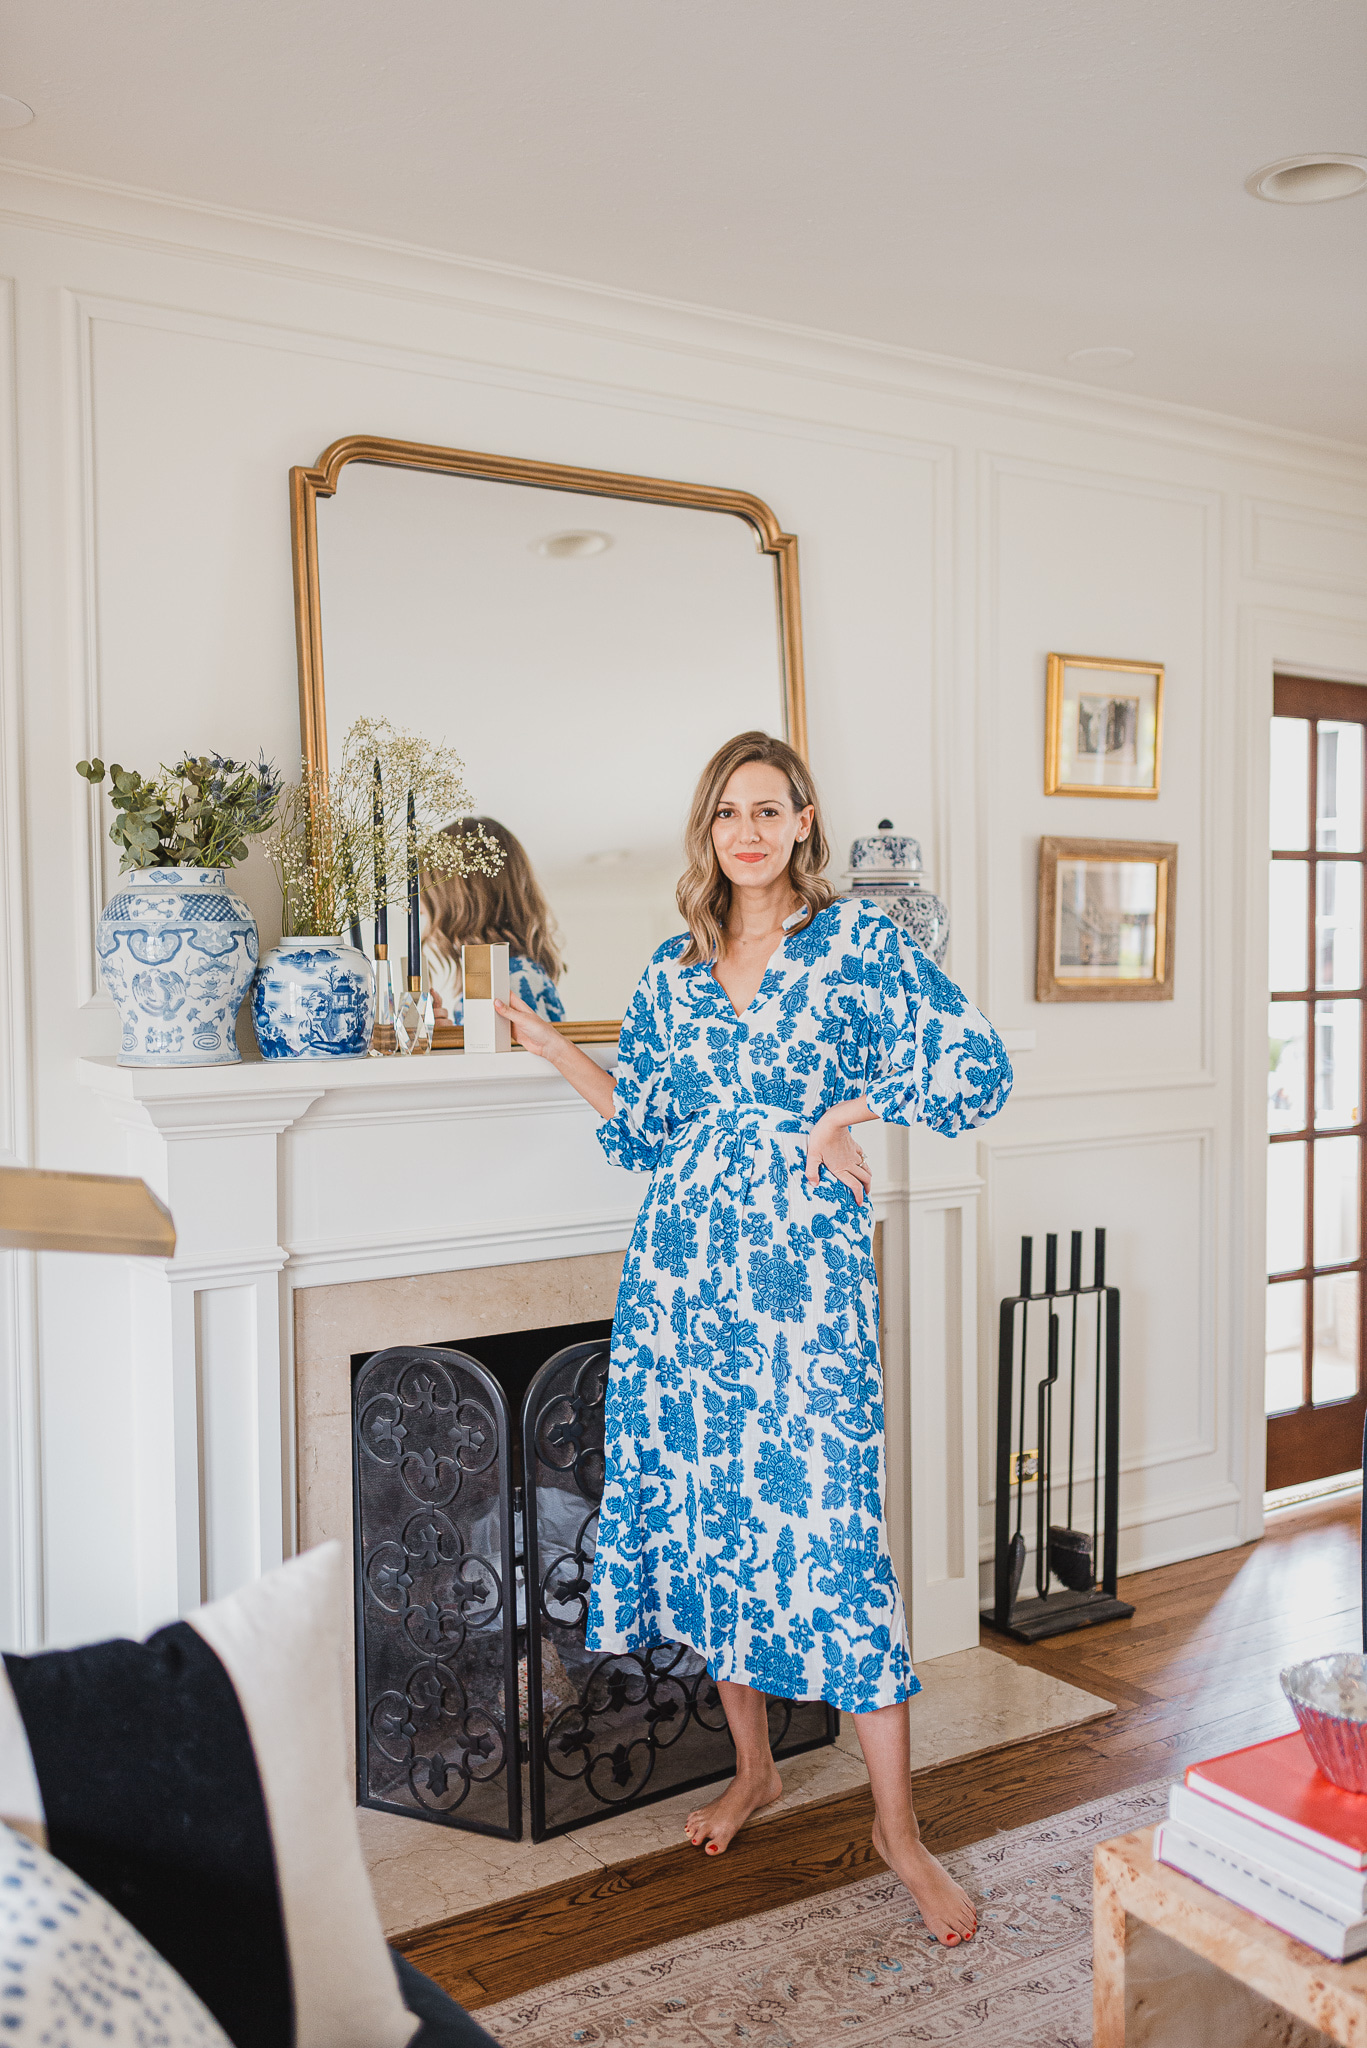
330,838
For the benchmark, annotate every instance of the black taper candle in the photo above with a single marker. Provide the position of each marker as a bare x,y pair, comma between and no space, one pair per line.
414,911
381,884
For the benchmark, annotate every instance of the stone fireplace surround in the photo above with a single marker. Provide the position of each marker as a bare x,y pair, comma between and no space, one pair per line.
333,1323
324,1209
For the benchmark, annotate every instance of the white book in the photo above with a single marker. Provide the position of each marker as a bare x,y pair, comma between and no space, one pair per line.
1299,1911
1295,1861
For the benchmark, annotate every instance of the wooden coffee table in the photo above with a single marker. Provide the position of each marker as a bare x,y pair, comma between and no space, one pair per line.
1173,1961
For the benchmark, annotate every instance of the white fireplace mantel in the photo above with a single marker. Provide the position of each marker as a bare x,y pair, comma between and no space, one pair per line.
294,1174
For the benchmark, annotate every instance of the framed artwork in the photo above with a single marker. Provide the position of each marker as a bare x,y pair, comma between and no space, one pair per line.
1103,726
1107,921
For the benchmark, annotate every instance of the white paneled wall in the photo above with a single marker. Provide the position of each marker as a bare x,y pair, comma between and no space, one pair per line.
160,370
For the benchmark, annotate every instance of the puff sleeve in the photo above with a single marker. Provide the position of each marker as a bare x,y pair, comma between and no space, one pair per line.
634,1135
933,1058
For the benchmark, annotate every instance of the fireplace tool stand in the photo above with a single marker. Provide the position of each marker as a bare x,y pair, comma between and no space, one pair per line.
1063,1552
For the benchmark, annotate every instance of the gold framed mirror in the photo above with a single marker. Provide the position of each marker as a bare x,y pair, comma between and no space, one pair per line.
583,638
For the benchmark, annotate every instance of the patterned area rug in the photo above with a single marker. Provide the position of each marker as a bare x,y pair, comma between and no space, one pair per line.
857,1966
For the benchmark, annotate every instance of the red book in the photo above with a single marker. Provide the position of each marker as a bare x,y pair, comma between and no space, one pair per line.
1280,1785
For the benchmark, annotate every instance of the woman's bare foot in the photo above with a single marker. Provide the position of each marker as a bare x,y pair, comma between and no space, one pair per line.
711,1827
945,1906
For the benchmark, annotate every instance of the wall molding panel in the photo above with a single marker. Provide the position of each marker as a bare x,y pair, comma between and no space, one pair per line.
1090,817
83,617
1171,1357
1301,544
21,1575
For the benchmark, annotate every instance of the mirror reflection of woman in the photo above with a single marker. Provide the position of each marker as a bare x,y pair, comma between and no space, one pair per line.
742,1507
503,909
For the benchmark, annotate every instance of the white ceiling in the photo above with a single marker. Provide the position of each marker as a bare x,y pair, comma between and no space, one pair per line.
1002,181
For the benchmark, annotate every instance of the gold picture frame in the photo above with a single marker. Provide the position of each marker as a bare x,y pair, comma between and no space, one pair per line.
1100,740
1107,921
309,484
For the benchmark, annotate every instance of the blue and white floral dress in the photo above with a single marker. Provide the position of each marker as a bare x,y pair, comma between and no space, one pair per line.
742,1504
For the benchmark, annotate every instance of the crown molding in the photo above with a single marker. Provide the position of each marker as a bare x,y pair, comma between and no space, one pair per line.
313,253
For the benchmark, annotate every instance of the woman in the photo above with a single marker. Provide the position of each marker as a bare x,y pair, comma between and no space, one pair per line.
743,1502
506,908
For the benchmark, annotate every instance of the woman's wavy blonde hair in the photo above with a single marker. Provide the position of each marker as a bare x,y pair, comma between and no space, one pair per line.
506,908
704,894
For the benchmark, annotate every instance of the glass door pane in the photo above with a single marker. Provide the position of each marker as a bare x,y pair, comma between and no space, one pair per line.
1286,1110
1338,1037
1338,787
1335,1372
1285,1345
1337,1232
1290,784
1338,924
1287,906
1286,1207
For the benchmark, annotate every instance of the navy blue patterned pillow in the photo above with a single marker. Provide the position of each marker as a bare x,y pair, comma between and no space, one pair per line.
72,1969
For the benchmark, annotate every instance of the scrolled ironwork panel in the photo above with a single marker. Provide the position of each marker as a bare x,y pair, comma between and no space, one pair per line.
436,1649
617,1730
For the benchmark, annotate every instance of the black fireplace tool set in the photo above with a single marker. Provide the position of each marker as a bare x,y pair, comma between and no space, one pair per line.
1063,1551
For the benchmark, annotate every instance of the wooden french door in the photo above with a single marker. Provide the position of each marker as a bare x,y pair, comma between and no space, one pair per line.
1316,1189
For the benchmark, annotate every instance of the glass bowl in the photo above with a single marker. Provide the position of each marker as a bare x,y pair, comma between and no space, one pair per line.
1328,1696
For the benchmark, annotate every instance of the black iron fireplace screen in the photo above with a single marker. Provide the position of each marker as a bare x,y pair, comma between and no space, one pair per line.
461,1529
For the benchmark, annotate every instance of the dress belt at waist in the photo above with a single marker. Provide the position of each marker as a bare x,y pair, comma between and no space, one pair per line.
738,1132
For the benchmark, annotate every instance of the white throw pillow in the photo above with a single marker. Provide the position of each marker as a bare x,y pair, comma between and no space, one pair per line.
280,1639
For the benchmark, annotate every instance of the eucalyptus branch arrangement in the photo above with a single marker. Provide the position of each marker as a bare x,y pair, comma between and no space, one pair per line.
199,814
347,843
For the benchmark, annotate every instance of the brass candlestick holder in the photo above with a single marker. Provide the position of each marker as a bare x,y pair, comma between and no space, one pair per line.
383,1037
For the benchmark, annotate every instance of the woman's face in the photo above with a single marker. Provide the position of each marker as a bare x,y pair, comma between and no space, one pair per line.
756,826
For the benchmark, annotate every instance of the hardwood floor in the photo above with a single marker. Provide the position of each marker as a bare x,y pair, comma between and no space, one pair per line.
1193,1673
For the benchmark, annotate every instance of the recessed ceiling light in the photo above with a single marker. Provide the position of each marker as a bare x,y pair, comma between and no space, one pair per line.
1308,180
14,113
1101,358
567,546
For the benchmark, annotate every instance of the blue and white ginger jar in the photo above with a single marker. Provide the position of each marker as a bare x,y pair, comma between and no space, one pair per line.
885,869
177,950
313,999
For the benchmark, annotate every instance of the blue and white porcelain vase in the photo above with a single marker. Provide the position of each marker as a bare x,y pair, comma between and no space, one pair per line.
313,999
885,867
177,950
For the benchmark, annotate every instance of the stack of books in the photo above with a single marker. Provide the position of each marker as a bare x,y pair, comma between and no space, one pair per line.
1265,1828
